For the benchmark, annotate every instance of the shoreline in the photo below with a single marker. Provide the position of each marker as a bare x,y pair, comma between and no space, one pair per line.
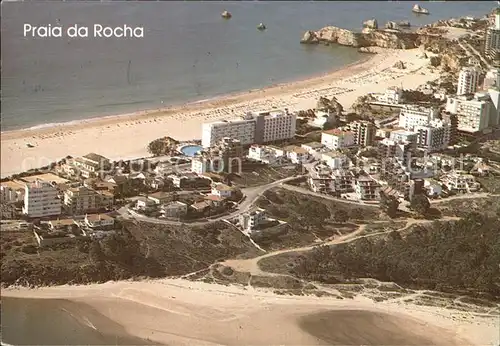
166,310
110,136
188,105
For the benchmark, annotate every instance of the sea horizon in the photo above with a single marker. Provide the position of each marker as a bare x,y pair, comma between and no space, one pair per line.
46,84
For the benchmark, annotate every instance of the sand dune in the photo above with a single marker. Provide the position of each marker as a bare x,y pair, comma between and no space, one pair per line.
127,136
175,311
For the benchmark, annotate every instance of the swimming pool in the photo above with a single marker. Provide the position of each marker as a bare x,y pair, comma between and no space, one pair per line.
190,150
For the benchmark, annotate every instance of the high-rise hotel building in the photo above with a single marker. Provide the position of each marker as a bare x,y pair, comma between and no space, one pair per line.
254,127
41,200
364,132
468,80
434,136
492,44
474,114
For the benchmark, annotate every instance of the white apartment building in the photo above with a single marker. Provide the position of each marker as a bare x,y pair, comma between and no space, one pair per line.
492,44
364,132
313,147
334,159
262,154
298,155
248,221
468,80
222,190
201,165
323,179
460,182
404,136
412,116
337,139
473,113
78,200
41,200
99,220
495,99
435,136
392,95
275,125
240,129
366,188
91,165
492,79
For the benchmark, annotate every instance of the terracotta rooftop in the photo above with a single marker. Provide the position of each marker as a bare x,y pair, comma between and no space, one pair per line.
299,150
201,205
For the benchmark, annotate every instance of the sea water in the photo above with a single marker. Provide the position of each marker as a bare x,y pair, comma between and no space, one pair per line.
188,52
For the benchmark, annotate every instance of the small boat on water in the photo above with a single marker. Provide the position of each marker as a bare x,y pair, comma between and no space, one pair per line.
226,14
420,10
261,27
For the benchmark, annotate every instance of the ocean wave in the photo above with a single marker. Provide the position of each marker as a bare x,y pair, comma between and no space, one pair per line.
69,123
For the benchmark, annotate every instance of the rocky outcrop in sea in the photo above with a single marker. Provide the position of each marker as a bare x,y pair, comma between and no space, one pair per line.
374,37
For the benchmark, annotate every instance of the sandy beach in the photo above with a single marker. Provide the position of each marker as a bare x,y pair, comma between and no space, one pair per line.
127,136
176,311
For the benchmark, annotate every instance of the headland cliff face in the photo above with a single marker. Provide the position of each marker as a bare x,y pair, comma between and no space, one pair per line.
371,38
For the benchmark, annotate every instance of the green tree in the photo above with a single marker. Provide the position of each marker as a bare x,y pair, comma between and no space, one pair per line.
341,215
95,252
389,204
313,214
328,126
420,204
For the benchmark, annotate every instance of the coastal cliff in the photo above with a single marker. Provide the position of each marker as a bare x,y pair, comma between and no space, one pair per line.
368,38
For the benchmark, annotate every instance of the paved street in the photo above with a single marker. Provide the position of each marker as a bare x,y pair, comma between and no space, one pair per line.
251,195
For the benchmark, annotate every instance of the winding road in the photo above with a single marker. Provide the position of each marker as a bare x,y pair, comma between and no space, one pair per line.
251,195
251,265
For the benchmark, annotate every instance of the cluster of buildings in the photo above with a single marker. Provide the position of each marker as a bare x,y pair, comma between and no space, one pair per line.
198,204
476,111
87,166
392,96
225,155
68,211
64,230
48,195
227,144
